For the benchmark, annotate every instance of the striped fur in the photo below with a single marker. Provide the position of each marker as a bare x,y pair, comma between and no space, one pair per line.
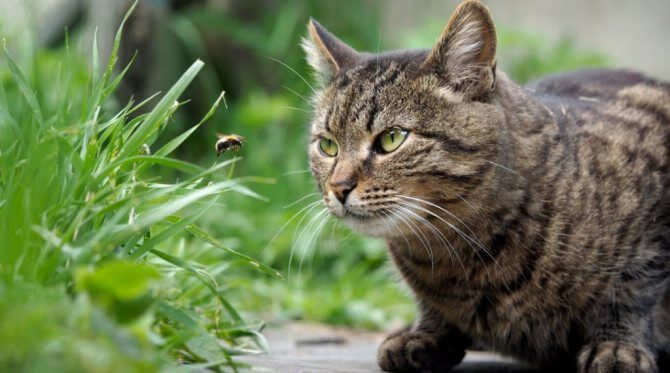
531,221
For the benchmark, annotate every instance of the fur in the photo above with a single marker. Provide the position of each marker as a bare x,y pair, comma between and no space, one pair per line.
532,221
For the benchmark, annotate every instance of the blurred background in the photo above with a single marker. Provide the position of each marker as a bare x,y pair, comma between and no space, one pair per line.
251,51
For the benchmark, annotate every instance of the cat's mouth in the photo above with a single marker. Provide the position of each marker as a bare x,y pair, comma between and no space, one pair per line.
370,223
351,213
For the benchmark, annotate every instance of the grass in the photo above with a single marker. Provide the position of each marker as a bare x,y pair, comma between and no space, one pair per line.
102,267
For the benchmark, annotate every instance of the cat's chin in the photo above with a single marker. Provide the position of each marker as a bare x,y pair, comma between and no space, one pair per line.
369,226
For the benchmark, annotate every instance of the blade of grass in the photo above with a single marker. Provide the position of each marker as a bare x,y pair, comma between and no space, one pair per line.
168,232
23,85
209,282
174,143
205,237
157,115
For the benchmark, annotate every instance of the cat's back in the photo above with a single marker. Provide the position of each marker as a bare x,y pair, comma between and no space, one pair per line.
597,85
620,106
614,125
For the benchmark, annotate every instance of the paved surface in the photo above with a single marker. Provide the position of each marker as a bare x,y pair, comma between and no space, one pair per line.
316,348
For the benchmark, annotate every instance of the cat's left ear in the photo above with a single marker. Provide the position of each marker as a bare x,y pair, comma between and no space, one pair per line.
465,53
327,54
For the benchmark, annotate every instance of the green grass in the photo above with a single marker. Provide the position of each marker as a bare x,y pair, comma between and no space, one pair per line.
102,267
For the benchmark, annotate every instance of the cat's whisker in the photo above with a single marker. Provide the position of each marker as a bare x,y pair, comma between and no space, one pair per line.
304,209
304,245
419,200
447,244
436,232
386,217
294,245
347,238
463,235
299,96
466,238
311,242
307,170
302,199
416,231
295,237
409,246
379,43
295,108
295,72
473,208
409,218
504,168
299,239
332,233
440,236
452,215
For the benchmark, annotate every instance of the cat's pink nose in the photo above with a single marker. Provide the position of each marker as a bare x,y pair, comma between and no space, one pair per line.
342,188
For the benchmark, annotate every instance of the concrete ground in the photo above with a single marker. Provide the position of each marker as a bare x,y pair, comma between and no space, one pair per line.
298,347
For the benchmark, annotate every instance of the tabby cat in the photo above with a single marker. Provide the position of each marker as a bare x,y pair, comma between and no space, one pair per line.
533,221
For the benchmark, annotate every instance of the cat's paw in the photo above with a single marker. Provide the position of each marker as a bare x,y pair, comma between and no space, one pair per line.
409,351
615,356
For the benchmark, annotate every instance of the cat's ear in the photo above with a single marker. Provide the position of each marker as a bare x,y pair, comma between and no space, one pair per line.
327,54
465,53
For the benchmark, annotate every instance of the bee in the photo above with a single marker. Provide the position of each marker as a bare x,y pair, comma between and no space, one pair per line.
228,142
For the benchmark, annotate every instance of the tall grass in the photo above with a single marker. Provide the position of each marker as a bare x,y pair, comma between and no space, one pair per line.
94,271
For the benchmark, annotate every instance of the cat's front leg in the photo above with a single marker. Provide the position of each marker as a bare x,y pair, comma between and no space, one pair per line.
620,345
616,356
430,345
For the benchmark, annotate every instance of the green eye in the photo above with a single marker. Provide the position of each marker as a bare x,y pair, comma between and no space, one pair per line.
391,140
328,146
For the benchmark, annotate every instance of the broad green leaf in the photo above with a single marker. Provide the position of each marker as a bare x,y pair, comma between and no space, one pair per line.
119,280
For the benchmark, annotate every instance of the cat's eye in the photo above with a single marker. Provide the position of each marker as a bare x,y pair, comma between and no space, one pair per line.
391,139
328,146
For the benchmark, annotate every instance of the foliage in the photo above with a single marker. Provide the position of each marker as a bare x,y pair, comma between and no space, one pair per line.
93,271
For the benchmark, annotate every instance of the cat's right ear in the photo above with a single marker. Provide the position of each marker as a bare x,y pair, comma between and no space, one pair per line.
326,54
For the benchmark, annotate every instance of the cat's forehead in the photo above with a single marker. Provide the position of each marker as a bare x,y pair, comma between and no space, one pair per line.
355,99
373,66
378,93
367,76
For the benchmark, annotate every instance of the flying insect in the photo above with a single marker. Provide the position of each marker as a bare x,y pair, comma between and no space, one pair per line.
228,142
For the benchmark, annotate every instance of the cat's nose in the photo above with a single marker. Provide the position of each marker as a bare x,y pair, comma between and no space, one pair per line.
342,188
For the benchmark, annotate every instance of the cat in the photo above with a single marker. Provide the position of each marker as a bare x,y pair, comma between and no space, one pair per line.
530,221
